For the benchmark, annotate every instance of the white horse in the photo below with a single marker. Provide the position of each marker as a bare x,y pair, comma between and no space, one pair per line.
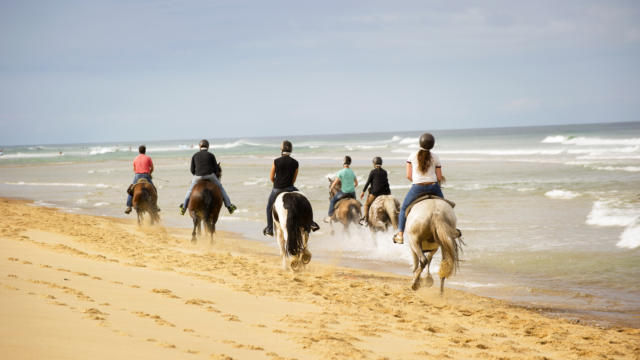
292,220
431,224
383,213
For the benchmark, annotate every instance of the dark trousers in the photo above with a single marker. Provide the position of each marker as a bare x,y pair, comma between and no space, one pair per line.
272,198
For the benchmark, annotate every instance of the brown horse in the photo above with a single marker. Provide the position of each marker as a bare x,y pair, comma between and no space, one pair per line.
145,199
204,206
347,210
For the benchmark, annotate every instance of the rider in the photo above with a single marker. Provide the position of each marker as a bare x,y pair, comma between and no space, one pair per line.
348,181
205,166
379,185
424,170
142,168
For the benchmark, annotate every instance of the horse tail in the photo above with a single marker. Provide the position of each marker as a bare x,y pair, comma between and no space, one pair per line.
207,202
447,237
392,208
354,213
299,218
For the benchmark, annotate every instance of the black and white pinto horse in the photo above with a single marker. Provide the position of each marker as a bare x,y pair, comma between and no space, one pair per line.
292,220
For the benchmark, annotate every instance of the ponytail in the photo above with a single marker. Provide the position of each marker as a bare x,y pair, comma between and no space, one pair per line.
424,160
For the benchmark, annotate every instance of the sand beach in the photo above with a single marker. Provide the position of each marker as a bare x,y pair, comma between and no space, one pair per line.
77,286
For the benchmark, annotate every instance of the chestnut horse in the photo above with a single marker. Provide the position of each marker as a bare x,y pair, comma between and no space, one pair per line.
347,210
204,206
145,199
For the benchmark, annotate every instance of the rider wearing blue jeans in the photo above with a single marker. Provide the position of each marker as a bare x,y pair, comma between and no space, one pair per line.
142,168
425,172
348,183
205,166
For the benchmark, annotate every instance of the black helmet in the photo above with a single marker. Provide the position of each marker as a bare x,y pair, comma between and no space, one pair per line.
286,146
427,141
204,144
377,160
347,160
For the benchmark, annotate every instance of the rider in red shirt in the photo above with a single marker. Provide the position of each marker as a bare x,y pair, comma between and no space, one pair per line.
142,167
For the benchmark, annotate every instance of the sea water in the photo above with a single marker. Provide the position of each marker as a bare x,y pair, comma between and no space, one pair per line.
550,215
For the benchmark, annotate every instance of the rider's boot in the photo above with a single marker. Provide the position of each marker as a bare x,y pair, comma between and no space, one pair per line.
315,226
267,231
182,209
398,238
127,210
232,208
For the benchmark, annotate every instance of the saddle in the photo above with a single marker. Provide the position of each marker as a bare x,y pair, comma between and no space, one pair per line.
424,197
344,196
141,180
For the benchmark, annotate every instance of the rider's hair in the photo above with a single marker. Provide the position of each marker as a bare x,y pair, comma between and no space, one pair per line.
347,160
142,149
424,154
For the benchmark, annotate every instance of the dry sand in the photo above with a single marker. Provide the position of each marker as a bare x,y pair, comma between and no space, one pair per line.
77,287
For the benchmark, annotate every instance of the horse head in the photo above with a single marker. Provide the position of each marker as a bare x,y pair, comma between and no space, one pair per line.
333,190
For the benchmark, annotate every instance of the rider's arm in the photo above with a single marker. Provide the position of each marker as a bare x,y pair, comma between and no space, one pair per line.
193,165
150,166
409,171
334,183
439,174
295,176
272,175
355,182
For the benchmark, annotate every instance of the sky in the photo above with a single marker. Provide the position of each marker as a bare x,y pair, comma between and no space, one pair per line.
97,71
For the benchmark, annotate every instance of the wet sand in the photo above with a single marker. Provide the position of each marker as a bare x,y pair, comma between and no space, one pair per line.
77,286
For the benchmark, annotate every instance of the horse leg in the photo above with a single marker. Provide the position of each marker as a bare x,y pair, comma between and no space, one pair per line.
428,280
196,225
281,243
442,286
139,213
416,249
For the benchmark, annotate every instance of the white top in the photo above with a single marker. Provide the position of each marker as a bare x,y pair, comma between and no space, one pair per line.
429,175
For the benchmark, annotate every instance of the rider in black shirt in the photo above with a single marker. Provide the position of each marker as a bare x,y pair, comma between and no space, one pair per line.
379,185
284,172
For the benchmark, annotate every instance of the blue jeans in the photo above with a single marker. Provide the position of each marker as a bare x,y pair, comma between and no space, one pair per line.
272,198
337,197
214,179
415,192
135,180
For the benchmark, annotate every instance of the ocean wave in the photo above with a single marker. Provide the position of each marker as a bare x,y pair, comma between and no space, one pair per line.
612,213
561,194
630,237
586,141
23,183
101,204
619,168
101,150
503,152
235,144
30,156
409,140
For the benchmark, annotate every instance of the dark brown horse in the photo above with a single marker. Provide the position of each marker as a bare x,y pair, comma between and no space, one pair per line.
145,199
204,206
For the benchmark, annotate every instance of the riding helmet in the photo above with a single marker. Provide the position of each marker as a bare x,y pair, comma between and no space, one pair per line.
377,160
286,146
427,141
204,144
347,160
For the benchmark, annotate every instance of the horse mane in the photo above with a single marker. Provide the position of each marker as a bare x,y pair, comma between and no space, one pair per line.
299,215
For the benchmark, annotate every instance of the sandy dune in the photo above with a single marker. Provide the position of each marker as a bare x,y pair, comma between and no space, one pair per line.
76,287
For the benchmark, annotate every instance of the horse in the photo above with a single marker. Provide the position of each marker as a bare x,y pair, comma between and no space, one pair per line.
292,222
204,206
347,210
431,224
383,213
145,199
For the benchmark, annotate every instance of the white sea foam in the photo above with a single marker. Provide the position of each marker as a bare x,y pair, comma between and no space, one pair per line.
612,213
100,204
619,168
22,183
587,141
561,194
630,237
100,150
234,144
29,156
504,152
409,140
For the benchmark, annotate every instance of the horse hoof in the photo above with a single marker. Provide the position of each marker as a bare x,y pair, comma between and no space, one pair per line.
296,265
428,281
194,240
306,258
416,285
